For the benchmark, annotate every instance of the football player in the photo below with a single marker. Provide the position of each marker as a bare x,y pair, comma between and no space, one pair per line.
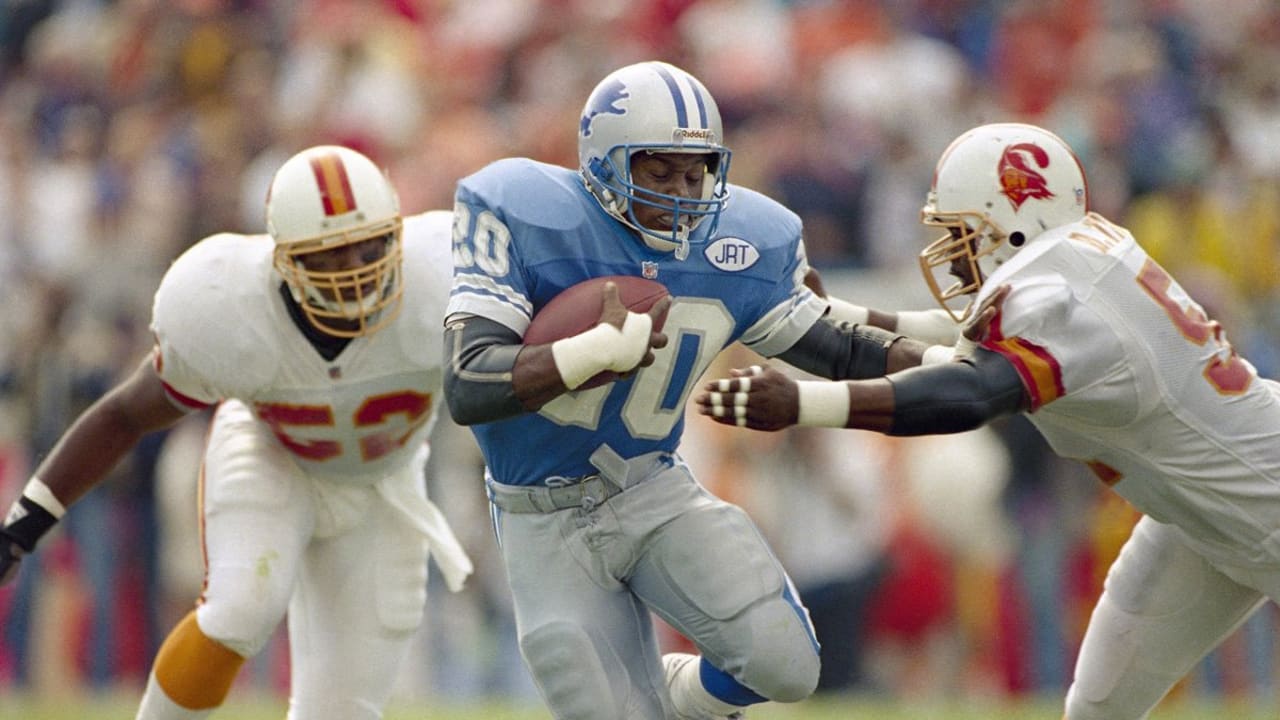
1117,367
319,346
599,520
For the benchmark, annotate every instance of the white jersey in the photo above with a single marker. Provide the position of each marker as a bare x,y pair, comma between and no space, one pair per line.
223,331
1128,374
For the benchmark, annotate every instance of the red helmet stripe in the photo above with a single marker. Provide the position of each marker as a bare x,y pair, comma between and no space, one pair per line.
334,185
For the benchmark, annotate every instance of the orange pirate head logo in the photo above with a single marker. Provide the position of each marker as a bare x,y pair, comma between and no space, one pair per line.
1019,173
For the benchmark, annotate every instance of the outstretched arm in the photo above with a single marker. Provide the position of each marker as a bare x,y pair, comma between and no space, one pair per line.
943,398
839,350
932,327
94,443
939,397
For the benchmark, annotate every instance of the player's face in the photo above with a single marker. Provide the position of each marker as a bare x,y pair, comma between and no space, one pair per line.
346,258
678,174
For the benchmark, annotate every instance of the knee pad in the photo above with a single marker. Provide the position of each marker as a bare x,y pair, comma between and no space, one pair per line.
241,622
751,627
1133,702
783,663
1162,609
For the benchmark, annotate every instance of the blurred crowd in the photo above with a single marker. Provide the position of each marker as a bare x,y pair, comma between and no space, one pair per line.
129,129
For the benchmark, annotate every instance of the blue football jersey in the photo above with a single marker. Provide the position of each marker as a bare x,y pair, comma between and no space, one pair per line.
524,231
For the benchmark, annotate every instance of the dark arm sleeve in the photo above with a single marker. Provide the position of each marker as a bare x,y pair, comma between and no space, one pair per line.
840,351
479,357
955,396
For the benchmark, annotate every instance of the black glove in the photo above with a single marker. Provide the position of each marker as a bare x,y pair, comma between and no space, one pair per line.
26,523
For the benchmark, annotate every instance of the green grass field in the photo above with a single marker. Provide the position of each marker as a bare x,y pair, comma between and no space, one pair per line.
122,708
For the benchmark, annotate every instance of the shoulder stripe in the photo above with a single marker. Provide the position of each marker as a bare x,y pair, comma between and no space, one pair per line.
185,401
1107,474
482,285
1040,371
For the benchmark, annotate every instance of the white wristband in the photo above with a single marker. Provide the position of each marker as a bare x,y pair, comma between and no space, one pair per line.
931,326
581,357
842,311
823,404
937,354
635,341
964,347
39,493
603,347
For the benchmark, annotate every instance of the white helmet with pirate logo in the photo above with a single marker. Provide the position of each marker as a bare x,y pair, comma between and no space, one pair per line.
325,199
994,190
652,107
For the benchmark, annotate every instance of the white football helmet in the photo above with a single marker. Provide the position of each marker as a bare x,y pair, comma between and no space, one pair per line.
330,197
994,190
657,108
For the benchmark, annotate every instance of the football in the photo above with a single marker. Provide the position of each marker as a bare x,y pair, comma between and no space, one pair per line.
577,309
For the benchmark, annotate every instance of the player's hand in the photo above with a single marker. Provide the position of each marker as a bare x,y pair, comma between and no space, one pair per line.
755,397
10,555
612,311
657,338
615,313
978,325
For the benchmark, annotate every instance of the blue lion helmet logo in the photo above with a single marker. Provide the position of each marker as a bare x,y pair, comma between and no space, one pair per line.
604,100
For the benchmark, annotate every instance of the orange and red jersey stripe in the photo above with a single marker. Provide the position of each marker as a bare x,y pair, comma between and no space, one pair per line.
1040,371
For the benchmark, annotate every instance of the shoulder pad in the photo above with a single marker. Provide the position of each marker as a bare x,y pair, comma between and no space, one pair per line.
526,192
757,216
210,311
1031,306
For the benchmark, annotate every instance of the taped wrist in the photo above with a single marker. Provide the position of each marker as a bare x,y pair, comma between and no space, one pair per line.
964,347
603,347
935,354
930,326
32,515
823,404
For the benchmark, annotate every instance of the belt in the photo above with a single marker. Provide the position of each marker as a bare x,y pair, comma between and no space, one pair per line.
587,494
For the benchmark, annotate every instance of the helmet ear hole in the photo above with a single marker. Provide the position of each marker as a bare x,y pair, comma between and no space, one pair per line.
1016,238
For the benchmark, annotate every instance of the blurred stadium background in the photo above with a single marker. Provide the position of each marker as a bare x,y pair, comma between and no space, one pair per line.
957,572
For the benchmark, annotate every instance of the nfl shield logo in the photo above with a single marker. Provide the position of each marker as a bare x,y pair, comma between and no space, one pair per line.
649,270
